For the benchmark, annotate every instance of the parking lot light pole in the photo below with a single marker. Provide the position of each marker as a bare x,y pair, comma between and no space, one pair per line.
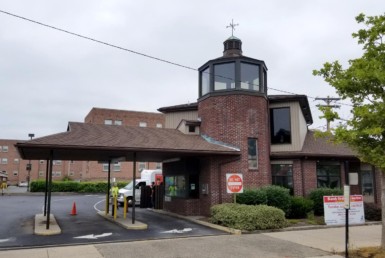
29,165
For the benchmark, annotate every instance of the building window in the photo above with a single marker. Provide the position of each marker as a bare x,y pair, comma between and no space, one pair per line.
224,76
108,122
117,166
105,167
252,153
141,166
159,125
118,122
41,173
250,76
175,186
328,174
191,129
16,161
41,161
56,173
72,173
4,161
282,175
143,124
56,162
205,75
367,185
15,173
280,125
5,148
158,165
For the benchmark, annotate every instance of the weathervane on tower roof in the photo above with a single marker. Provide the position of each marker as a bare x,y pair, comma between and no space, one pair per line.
232,25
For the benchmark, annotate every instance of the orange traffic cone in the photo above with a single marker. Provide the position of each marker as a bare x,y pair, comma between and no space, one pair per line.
73,212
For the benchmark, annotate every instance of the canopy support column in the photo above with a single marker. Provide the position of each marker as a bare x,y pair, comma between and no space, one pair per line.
133,188
49,189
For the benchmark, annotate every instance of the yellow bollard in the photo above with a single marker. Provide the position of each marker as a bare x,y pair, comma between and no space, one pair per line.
115,206
125,208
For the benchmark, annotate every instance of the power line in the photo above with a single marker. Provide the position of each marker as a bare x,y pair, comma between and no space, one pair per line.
141,54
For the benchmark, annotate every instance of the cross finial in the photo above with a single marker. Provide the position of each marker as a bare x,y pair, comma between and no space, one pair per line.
232,25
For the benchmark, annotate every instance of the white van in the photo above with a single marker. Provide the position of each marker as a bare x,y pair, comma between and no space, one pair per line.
147,177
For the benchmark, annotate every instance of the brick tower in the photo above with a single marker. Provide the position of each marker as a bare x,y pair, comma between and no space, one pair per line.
233,108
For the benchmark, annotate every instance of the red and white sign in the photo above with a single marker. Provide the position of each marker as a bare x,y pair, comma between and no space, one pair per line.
334,210
234,183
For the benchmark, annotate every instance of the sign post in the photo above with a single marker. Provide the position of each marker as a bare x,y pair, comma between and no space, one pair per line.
234,184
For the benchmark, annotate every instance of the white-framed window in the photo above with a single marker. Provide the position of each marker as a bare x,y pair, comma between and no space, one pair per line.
117,167
72,173
56,162
41,173
141,166
108,121
158,165
142,124
105,167
118,122
159,125
16,161
4,161
5,148
41,161
56,173
15,173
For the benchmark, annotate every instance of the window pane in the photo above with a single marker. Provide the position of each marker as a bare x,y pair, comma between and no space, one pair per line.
282,175
205,75
252,153
176,186
250,76
328,175
224,76
108,122
280,125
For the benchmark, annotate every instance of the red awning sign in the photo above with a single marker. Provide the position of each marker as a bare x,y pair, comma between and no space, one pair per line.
234,183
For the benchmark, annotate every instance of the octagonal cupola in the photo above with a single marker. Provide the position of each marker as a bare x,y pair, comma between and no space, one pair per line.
232,73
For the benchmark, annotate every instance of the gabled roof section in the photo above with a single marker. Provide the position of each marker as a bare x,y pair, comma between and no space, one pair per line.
303,102
84,141
319,147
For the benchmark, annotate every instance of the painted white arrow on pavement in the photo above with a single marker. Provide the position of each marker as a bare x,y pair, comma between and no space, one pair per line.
176,231
4,240
92,236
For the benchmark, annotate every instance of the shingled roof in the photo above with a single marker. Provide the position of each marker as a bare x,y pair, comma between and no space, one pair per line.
85,141
319,147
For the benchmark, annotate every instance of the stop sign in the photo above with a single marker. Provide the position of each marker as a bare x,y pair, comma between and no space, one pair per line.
234,183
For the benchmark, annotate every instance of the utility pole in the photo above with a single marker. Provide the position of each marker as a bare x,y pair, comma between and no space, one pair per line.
328,100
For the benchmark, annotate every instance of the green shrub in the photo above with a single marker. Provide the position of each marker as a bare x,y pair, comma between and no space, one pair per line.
317,197
372,212
72,186
299,208
248,217
252,197
278,197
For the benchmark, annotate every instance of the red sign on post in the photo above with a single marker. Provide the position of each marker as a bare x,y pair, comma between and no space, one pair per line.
234,183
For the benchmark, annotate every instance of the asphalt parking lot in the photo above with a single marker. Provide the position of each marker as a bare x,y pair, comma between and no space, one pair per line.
87,226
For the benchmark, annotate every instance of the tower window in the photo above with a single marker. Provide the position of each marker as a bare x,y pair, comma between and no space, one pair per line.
252,153
205,75
224,76
250,76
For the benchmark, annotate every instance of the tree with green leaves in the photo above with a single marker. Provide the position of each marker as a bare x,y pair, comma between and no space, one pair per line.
363,82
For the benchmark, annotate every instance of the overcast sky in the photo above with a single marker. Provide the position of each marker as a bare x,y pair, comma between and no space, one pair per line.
48,77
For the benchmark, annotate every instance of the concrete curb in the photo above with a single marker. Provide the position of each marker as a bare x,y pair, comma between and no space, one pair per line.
126,223
201,222
40,225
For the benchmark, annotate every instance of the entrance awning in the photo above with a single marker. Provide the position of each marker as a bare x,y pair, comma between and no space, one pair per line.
84,141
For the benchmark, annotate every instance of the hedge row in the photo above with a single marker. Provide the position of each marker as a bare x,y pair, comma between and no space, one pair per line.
248,217
72,186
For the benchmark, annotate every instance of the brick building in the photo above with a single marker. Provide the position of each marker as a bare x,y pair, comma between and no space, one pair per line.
234,127
16,168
